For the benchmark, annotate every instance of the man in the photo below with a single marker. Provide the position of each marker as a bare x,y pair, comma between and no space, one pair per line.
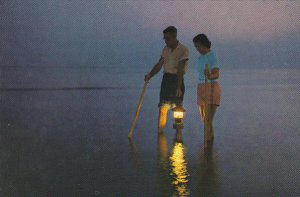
173,59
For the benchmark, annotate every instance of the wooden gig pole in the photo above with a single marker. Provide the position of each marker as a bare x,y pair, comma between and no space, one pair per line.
137,110
206,110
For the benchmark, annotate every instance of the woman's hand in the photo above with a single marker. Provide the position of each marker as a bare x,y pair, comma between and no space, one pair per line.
214,74
207,72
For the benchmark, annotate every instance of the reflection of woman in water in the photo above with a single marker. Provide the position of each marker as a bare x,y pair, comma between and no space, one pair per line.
209,173
203,46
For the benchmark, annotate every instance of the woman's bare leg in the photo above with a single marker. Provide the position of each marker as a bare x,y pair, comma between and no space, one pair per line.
202,114
211,113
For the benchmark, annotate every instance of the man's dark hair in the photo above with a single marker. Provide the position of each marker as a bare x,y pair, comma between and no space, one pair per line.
171,30
202,39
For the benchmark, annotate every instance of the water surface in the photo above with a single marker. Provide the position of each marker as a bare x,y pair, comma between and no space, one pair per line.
64,133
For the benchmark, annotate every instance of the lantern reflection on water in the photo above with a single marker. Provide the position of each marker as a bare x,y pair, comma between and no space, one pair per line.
179,170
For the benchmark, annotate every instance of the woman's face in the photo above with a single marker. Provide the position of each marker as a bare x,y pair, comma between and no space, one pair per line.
200,48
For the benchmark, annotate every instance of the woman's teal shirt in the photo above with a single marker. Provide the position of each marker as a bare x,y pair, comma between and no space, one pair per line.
210,59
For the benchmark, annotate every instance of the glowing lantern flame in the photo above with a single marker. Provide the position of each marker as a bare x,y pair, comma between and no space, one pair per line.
178,113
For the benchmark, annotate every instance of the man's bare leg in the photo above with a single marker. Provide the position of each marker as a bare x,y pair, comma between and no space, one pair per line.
163,115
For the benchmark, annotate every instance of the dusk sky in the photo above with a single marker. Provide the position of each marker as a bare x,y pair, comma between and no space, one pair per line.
129,33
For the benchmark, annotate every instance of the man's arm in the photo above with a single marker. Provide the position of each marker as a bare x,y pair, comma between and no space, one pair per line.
156,68
180,72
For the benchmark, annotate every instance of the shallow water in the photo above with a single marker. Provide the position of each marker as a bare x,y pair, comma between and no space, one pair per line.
64,133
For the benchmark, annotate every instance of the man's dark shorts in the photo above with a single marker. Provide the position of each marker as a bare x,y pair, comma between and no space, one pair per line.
168,90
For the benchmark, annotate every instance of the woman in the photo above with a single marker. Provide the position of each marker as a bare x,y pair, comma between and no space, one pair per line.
203,46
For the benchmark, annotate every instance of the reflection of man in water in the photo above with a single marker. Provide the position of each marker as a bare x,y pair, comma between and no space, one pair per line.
177,183
174,59
163,177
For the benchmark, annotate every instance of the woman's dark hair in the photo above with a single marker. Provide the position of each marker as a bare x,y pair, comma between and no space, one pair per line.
171,30
202,39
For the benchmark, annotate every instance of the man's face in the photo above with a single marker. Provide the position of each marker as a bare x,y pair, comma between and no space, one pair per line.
170,39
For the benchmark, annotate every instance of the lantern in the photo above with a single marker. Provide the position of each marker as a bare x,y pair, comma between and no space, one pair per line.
178,116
